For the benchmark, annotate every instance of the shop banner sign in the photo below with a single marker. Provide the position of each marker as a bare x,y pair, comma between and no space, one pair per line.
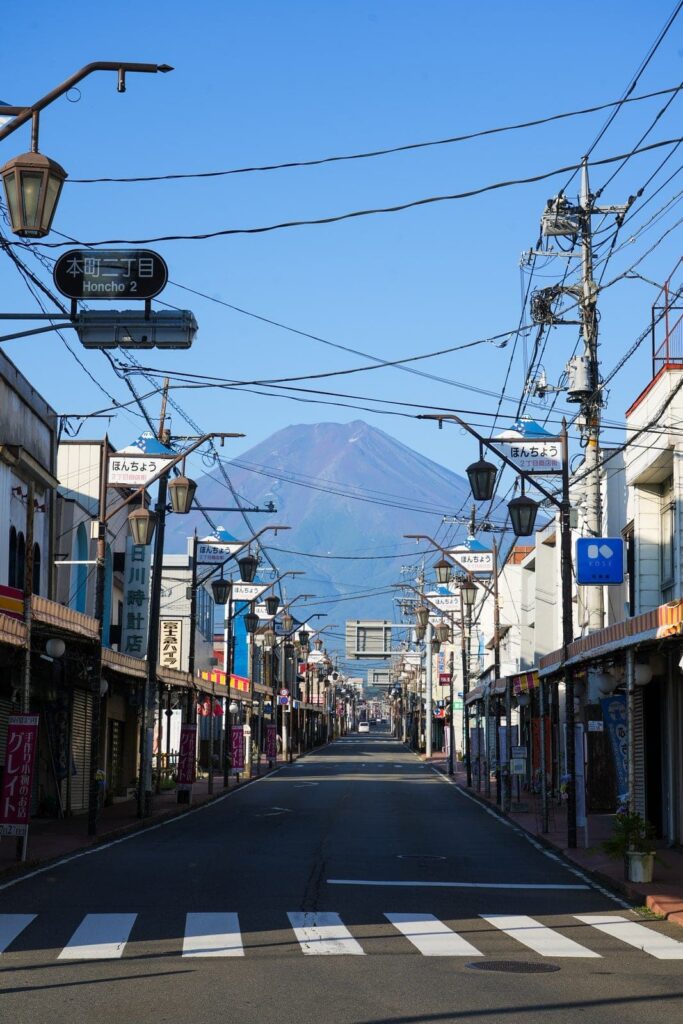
237,748
615,715
17,779
136,599
170,643
271,742
186,756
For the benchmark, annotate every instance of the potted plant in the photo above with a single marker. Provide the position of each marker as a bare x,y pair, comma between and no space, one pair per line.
633,841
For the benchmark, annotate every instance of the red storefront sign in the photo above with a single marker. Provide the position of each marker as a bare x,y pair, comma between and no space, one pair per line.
271,742
186,756
237,748
444,678
15,799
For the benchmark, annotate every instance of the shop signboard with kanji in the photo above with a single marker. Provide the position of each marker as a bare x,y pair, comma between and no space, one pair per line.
237,748
186,756
136,599
17,776
110,274
170,643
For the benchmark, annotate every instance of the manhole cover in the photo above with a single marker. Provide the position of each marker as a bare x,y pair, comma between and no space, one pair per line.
513,967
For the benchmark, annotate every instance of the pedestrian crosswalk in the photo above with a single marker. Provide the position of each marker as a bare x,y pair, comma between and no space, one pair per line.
324,933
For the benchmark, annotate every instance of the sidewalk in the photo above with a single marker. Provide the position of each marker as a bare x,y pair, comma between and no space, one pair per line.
664,896
52,838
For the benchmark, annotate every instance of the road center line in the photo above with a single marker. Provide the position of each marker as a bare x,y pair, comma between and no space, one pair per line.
452,885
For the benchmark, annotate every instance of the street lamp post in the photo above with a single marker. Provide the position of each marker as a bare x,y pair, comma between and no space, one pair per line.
33,182
523,517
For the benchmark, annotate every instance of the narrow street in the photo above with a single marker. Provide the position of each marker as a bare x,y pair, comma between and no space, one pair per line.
356,885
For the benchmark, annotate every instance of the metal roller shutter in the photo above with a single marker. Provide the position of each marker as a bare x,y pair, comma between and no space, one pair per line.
639,752
81,721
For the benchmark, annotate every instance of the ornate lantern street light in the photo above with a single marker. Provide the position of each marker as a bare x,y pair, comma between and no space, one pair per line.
272,604
523,511
250,622
221,590
32,185
443,571
142,523
442,631
422,615
468,589
287,621
182,491
248,565
482,477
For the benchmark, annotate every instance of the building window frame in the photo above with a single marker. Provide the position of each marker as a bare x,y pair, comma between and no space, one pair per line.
667,539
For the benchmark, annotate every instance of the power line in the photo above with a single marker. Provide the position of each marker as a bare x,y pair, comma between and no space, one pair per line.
407,147
354,214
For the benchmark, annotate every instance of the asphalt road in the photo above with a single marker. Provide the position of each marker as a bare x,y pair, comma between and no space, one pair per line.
353,887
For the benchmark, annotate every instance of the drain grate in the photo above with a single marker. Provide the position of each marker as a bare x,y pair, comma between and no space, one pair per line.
513,966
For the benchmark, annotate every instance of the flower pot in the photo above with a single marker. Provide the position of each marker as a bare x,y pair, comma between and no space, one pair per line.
639,866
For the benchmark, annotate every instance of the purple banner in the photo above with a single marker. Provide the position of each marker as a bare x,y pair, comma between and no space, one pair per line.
271,742
237,748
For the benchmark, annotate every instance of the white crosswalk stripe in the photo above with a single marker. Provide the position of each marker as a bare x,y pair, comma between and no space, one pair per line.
431,936
323,934
12,925
99,937
212,935
660,946
538,937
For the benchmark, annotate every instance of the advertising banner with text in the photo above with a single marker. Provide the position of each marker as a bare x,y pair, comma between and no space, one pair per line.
17,777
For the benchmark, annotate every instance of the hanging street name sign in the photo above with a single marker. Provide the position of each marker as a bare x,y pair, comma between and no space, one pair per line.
535,456
135,471
215,552
474,561
531,447
247,591
444,602
110,274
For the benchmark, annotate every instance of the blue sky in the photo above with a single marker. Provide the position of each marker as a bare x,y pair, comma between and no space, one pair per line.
266,82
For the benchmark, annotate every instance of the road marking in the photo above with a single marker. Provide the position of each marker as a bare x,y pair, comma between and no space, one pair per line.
453,885
657,945
212,935
431,936
12,925
591,882
323,934
536,936
99,937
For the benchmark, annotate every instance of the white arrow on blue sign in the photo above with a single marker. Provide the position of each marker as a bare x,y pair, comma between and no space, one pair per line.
599,561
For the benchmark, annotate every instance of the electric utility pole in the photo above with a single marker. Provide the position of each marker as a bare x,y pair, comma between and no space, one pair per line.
560,218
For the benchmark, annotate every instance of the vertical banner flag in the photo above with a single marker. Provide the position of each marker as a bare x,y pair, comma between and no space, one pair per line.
615,714
186,756
271,741
17,778
237,748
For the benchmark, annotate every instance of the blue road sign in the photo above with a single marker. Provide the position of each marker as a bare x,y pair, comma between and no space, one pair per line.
599,561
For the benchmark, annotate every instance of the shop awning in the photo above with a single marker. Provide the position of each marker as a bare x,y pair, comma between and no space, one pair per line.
658,624
524,681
